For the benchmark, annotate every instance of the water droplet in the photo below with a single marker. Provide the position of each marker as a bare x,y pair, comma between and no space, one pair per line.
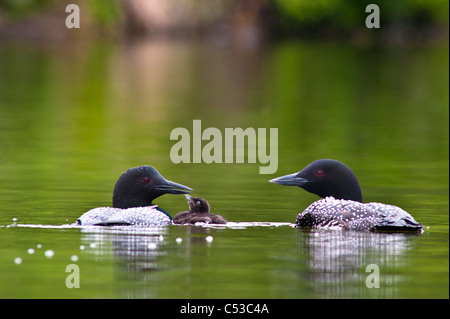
30,251
179,240
49,253
209,239
18,260
74,258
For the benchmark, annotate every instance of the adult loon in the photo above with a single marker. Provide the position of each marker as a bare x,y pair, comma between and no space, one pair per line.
341,204
133,195
199,212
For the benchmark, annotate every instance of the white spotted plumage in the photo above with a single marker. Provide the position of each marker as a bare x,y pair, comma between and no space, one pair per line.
139,216
347,214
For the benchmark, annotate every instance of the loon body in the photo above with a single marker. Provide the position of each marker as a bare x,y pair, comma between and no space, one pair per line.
132,200
341,204
199,212
139,216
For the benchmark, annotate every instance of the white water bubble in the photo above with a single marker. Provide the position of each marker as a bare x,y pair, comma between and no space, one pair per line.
17,260
39,246
209,239
152,246
82,247
49,253
93,245
179,240
30,251
74,258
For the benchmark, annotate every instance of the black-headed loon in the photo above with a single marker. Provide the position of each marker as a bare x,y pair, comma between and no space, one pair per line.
133,195
341,204
199,213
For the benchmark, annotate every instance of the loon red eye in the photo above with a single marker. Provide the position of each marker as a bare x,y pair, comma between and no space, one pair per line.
146,180
319,172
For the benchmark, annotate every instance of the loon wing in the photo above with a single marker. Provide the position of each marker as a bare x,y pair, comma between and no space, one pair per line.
96,216
347,214
109,216
393,218
113,223
139,216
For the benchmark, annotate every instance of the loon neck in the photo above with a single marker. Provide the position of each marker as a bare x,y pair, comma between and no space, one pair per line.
353,194
128,201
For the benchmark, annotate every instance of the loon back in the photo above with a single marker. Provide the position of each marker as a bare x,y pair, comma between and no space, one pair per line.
138,216
352,215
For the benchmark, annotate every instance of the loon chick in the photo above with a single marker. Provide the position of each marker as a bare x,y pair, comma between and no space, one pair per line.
199,212
342,205
133,195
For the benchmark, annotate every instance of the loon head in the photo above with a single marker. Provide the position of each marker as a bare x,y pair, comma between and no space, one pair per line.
198,204
325,177
139,186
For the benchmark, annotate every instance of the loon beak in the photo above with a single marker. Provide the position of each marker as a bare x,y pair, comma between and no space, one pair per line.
170,187
290,180
188,197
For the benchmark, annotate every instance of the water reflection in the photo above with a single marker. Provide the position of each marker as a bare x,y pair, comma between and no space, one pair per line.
337,261
137,247
143,258
192,261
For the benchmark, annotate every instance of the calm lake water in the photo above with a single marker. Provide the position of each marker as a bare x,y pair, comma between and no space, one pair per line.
73,120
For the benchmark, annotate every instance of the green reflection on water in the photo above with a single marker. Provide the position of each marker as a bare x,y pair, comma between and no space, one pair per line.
72,122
